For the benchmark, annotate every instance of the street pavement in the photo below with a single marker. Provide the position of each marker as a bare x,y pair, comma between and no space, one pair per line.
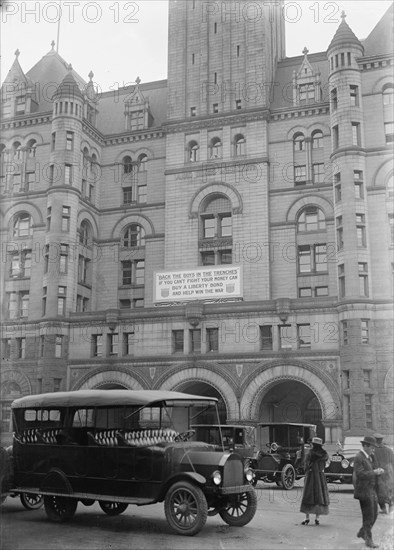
276,525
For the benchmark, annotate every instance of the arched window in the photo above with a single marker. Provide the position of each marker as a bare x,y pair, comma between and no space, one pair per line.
142,162
311,219
31,147
127,165
216,230
85,233
317,139
239,145
215,148
388,95
134,235
299,142
193,150
22,226
17,148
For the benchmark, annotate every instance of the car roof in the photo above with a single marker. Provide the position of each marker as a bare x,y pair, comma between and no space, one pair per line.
102,398
222,426
286,424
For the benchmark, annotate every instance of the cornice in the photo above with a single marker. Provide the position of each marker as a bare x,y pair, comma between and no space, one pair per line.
298,112
211,167
30,120
214,121
119,139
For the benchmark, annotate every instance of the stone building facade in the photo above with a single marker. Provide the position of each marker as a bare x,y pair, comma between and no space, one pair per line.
244,166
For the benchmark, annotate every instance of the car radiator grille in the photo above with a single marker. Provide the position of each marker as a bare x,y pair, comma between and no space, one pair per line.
233,473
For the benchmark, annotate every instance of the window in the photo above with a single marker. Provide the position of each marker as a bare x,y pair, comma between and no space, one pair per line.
59,346
304,335
192,111
321,291
389,131
300,175
82,304
341,280
299,142
44,300
85,234
363,278
66,218
127,195
61,300
141,192
22,226
364,331
391,226
84,270
285,336
354,98
388,96
63,262
345,333
215,108
24,303
177,341
193,58
17,150
317,139
125,304
57,384
136,120
335,136
68,174
358,184
311,219
20,348
307,93
318,173
212,339
20,264
367,378
215,28
53,141
6,352
30,178
356,133
134,235
368,411
195,340
208,258
217,224
133,272
142,162
360,229
266,337
97,345
31,148
238,104
69,141
112,343
215,148
128,343
334,99
193,151
239,145
339,232
305,292
127,165
312,258
346,379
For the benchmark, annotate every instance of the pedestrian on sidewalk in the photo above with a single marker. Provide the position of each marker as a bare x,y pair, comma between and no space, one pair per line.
315,498
364,481
384,458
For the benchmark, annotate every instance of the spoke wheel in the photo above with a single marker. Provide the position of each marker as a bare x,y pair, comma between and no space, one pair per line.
288,477
186,508
59,509
31,502
112,508
240,509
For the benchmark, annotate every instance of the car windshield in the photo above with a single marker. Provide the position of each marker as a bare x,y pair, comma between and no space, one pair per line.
285,435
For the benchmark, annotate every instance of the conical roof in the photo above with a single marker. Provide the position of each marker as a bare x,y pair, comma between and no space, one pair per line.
68,88
344,35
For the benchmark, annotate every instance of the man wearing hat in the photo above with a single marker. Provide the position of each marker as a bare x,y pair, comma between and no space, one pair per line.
364,479
384,458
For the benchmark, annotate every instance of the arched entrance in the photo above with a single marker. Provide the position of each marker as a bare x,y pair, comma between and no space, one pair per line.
202,388
291,401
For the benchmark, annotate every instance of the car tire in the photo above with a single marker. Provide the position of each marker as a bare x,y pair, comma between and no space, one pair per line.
186,508
287,477
112,508
59,509
240,509
31,501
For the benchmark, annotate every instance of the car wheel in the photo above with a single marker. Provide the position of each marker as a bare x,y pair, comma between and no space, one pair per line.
88,501
59,509
112,508
240,509
288,477
186,508
31,502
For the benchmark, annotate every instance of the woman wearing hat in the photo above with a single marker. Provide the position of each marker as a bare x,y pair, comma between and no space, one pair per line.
315,499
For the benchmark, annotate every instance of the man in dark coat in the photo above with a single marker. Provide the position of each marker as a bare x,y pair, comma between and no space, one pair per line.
384,458
364,481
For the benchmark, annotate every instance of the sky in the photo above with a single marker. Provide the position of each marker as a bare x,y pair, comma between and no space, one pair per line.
121,40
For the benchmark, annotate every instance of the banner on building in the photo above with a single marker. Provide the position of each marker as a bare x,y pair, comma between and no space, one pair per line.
201,283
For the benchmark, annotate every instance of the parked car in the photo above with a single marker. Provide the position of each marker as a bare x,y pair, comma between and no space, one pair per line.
29,501
281,458
234,437
339,467
123,447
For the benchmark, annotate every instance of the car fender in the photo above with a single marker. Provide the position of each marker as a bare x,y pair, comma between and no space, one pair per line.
56,482
194,477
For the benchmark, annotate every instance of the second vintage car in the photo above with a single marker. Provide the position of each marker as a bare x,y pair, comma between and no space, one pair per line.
228,437
340,465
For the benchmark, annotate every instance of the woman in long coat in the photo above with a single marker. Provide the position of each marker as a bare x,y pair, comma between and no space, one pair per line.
315,499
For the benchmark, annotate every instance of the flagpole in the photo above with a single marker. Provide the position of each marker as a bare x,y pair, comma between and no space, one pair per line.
58,27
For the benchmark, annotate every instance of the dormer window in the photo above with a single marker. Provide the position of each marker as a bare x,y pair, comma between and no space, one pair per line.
137,112
307,93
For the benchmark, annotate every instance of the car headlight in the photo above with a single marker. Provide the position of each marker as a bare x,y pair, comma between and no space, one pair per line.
217,477
249,475
351,463
345,463
328,462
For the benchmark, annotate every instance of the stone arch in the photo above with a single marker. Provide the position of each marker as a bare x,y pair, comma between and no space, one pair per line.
21,207
33,135
193,374
296,130
140,219
99,377
382,174
211,189
320,385
388,383
318,126
125,153
149,152
310,200
17,377
381,82
84,214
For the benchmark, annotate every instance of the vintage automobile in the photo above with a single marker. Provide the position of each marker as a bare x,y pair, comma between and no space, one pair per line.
282,455
339,467
30,502
228,437
123,447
